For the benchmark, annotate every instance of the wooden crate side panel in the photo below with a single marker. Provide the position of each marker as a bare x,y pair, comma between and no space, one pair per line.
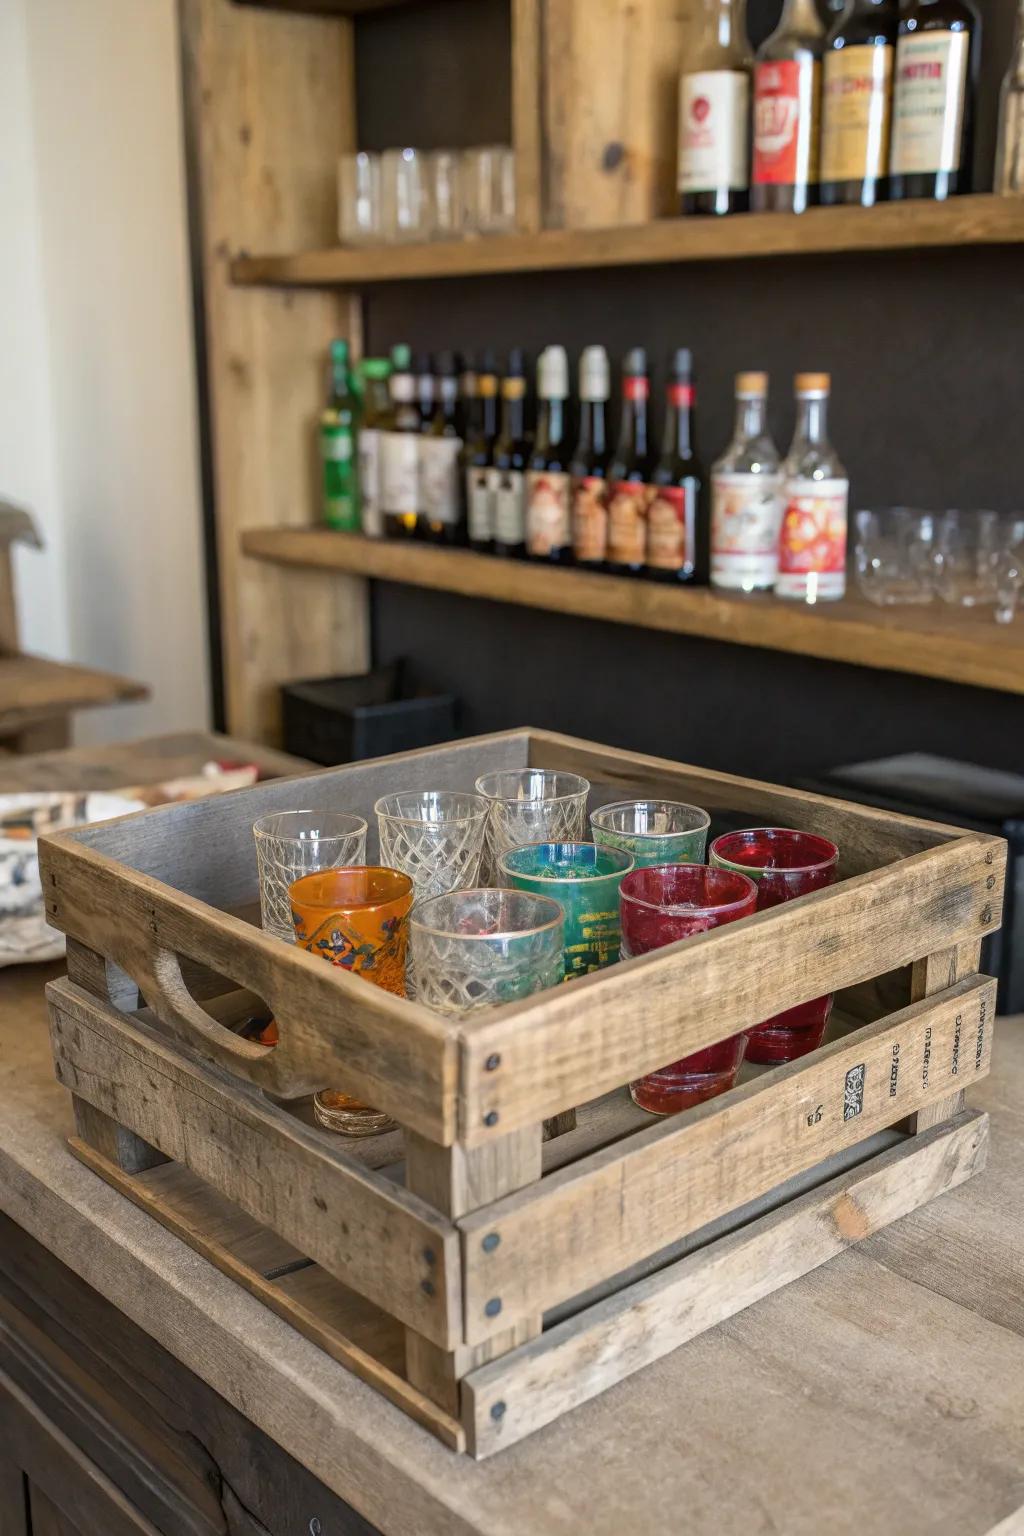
369,1232
591,1220
512,1397
335,1030
579,1041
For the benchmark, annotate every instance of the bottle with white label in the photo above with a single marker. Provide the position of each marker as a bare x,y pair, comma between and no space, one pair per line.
933,105
400,459
440,501
548,480
787,112
1010,152
375,373
481,431
507,472
815,493
714,114
746,488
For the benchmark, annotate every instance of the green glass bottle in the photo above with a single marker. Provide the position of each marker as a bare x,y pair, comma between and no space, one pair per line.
339,427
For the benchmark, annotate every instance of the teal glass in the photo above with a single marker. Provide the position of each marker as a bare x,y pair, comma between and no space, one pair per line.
584,879
653,831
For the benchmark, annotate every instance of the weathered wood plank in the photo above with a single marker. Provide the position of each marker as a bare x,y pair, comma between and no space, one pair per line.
596,1217
518,1394
932,974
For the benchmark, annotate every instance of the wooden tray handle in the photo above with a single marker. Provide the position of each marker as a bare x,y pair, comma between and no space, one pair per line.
164,989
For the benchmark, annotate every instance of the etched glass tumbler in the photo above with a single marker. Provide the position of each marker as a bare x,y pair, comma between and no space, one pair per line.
482,948
435,836
895,556
653,831
290,844
531,805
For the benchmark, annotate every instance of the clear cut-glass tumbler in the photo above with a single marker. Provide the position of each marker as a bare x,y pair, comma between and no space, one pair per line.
531,805
483,948
290,844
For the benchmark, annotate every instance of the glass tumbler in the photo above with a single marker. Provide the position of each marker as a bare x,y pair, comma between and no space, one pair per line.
357,919
660,904
967,558
783,865
653,831
359,206
436,836
403,195
489,189
531,805
584,879
444,180
482,948
294,843
894,555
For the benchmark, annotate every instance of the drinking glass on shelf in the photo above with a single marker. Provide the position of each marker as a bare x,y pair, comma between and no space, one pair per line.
967,558
659,905
444,179
436,836
403,195
359,206
531,805
483,948
489,189
358,919
894,555
783,864
294,843
653,831
1010,570
584,879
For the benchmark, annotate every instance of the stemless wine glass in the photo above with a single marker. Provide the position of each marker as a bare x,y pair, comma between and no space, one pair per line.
783,864
653,831
531,805
359,206
358,919
403,195
660,904
584,879
967,558
482,948
436,836
294,843
894,555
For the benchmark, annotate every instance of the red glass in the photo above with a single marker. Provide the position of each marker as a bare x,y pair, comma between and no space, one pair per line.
659,905
785,864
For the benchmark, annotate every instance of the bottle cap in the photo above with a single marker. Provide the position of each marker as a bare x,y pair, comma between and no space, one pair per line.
595,374
516,364
339,352
401,357
489,361
424,365
752,384
403,386
681,366
553,374
447,365
635,362
812,383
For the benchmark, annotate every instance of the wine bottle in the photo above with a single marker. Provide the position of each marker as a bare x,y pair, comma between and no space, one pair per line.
787,111
589,467
937,55
400,451
714,114
339,427
481,432
856,103
548,483
506,476
440,504
629,473
676,527
377,419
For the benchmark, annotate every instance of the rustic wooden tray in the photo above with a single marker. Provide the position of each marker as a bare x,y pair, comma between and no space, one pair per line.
526,1276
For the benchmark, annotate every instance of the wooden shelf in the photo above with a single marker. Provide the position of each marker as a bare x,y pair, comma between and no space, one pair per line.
982,220
324,7
934,642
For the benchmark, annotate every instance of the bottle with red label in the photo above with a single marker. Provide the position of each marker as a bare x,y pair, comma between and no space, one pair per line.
676,531
589,467
629,474
548,481
787,112
812,541
714,114
937,55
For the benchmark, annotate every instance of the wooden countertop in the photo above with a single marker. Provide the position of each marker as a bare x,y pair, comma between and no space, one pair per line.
883,1393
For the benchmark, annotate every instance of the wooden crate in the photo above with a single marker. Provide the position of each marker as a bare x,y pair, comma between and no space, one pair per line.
483,1279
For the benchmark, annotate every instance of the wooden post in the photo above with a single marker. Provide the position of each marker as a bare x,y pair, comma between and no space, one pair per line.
935,973
456,1181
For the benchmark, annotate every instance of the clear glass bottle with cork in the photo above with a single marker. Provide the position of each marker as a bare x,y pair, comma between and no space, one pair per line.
746,490
816,491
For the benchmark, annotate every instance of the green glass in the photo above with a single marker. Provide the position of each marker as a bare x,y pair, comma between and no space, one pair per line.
584,879
653,831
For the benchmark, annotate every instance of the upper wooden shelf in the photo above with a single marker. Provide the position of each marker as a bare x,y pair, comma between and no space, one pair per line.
981,220
934,642
324,7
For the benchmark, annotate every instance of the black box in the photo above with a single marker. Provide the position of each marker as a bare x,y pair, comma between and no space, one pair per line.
333,720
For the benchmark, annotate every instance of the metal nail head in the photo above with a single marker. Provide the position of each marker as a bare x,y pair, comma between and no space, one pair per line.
491,1242
493,1307
492,1063
497,1412
491,1117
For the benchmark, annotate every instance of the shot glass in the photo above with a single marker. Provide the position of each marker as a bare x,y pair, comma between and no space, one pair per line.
290,844
531,805
653,831
783,864
482,948
357,919
660,904
584,879
436,836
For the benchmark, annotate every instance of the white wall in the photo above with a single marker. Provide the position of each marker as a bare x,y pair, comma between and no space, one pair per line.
100,305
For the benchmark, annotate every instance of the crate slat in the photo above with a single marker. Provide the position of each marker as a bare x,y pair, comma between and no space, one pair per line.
579,1041
512,1397
598,1216
367,1231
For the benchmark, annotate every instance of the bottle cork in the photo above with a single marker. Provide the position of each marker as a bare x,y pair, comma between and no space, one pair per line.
751,383
812,383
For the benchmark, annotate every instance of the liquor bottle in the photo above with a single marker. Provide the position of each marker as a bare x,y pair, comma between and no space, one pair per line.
746,488
787,112
629,472
481,431
339,427
714,114
676,528
375,373
400,451
548,482
933,107
506,476
424,371
856,103
440,504
1010,153
589,467
815,492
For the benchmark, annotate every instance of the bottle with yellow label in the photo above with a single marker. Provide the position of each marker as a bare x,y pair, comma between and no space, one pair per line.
857,103
937,55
